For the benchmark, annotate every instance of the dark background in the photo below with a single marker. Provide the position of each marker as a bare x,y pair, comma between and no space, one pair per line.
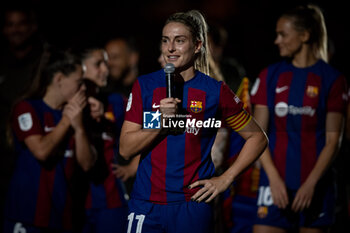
250,23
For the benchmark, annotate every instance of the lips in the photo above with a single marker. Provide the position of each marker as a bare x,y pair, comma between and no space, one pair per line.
172,58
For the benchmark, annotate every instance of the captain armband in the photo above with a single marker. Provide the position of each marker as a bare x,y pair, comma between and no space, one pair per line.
239,120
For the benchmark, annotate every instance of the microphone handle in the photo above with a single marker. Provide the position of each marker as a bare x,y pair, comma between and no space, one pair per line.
169,85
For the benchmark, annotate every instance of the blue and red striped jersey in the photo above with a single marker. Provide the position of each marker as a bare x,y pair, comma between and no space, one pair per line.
40,192
177,161
298,100
109,193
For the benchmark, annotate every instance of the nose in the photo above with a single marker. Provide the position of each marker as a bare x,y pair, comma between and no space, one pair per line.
83,86
277,40
104,68
171,47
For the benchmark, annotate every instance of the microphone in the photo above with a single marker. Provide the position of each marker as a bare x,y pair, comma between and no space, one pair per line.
169,70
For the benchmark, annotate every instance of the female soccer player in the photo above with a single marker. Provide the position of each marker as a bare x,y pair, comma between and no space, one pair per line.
174,182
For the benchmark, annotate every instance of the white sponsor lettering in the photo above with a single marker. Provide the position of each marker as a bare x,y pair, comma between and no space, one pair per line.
282,109
191,125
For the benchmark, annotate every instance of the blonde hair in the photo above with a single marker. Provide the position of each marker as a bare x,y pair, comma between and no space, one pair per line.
310,18
198,27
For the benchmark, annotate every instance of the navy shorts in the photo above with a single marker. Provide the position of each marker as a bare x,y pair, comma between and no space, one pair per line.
106,220
183,217
243,212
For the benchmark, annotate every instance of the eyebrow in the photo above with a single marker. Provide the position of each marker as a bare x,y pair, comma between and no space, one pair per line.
175,36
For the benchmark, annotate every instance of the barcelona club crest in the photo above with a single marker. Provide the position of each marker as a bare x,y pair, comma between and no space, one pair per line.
312,91
196,106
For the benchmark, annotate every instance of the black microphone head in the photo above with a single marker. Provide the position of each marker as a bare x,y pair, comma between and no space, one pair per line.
169,68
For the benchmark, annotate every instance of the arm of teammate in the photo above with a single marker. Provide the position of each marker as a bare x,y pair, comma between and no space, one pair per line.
42,146
85,154
127,171
303,197
255,144
277,185
219,147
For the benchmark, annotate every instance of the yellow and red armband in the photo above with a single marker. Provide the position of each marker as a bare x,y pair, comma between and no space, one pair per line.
239,120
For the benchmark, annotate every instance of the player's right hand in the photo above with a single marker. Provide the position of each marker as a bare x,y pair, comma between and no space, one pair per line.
168,106
74,108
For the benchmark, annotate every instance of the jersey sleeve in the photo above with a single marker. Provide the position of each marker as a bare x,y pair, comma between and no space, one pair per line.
25,121
134,107
232,109
258,93
337,98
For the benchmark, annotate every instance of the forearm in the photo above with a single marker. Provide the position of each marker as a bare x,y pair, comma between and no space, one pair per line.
85,155
268,165
334,126
250,152
324,160
134,142
43,147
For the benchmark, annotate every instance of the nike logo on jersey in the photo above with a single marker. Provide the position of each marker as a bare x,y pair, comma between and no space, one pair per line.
68,154
48,129
281,89
106,137
155,106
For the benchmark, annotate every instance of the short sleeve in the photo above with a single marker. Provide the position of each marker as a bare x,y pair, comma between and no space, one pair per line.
134,107
258,93
232,109
338,97
230,104
25,121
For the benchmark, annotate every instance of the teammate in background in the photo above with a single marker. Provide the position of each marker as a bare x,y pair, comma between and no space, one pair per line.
19,56
50,140
106,201
238,203
176,167
123,58
232,71
301,103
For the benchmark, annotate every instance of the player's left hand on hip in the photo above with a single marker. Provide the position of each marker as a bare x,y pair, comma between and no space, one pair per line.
210,189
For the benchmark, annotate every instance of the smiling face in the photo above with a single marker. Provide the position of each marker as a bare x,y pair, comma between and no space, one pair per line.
18,28
288,40
118,54
178,46
96,67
